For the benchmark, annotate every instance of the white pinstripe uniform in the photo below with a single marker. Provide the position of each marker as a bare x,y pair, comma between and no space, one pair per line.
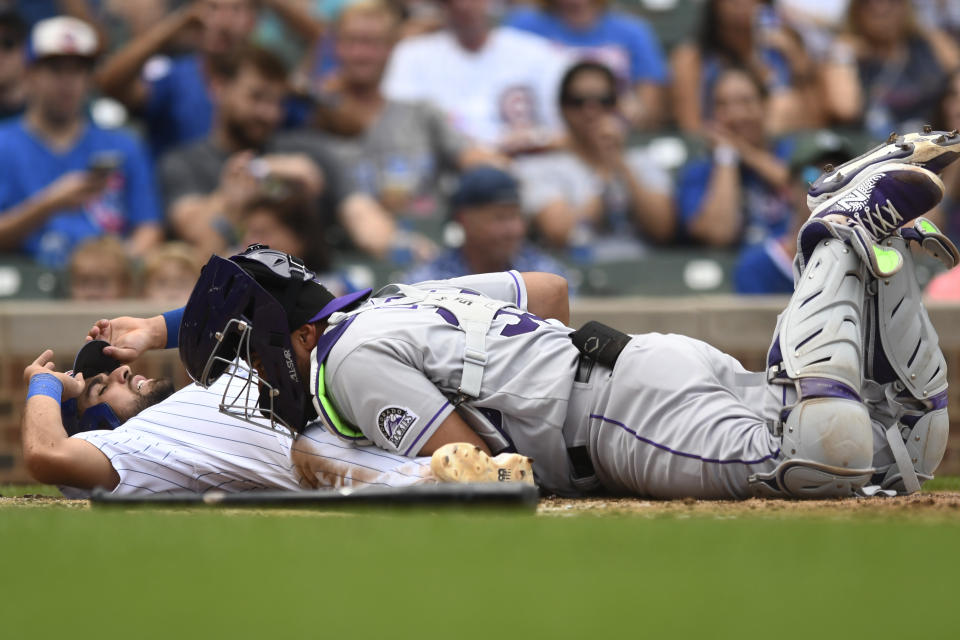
185,444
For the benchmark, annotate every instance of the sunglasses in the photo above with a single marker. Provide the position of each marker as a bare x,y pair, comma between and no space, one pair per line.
607,101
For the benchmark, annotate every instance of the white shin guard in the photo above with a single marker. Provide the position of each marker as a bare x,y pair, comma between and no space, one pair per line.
905,362
827,446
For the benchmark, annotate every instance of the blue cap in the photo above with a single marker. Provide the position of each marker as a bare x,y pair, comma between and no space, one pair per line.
484,185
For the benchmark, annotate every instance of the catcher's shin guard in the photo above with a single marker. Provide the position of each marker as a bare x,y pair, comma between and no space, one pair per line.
908,379
827,439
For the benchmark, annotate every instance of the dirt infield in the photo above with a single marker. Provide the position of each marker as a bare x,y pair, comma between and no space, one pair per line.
937,505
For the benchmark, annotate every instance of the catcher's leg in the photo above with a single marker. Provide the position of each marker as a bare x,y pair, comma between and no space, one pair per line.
827,441
907,373
932,150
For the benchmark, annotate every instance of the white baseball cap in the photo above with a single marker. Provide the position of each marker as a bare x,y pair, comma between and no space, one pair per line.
62,36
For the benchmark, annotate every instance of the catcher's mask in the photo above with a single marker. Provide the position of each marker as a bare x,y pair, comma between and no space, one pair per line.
240,315
90,361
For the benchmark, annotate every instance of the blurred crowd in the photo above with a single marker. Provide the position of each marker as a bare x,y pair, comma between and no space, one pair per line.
446,137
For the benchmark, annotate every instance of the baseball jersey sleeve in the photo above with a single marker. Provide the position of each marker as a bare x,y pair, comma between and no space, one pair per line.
380,388
145,464
505,285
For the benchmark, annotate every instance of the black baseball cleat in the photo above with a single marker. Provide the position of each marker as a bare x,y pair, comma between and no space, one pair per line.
929,149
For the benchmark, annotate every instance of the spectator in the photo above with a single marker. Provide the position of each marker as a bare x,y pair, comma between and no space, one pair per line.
945,287
13,90
624,43
495,84
174,95
62,178
99,270
947,118
486,204
169,272
939,14
208,182
285,219
886,73
393,150
767,267
739,195
739,33
595,192
815,21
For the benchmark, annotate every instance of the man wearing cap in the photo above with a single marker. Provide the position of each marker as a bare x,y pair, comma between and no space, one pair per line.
174,95
13,35
103,426
62,178
486,205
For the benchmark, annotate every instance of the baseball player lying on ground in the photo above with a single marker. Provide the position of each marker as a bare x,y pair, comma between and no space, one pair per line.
109,428
854,394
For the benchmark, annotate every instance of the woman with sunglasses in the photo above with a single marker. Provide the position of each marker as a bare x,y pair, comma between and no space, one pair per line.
595,193
886,72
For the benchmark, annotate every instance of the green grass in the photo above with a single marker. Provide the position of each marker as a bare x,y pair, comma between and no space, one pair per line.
946,483
152,574
17,490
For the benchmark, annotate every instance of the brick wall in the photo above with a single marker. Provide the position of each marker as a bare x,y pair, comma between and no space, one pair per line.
741,327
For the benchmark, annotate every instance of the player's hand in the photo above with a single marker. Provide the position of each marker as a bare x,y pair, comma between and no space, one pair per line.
72,386
129,337
303,461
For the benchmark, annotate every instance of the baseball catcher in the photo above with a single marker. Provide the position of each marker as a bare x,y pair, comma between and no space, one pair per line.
853,398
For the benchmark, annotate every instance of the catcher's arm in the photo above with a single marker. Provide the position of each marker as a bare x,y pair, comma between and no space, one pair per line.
130,338
548,295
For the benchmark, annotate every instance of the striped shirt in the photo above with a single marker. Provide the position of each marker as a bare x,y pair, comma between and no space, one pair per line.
185,444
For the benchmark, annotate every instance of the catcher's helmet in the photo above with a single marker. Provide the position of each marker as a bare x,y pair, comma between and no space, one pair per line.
90,361
245,308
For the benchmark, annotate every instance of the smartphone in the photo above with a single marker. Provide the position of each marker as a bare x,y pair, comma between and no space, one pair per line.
104,163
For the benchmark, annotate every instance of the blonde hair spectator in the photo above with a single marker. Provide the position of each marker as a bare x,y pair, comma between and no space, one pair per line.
100,270
169,273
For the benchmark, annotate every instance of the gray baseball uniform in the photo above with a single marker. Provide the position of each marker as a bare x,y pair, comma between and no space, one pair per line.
675,417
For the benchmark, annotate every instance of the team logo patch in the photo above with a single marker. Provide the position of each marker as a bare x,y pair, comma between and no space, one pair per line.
394,422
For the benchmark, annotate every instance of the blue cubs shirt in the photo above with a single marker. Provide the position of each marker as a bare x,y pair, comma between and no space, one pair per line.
178,109
27,166
766,212
763,269
624,43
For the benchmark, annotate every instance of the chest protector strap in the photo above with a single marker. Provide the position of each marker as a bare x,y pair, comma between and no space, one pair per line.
474,314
